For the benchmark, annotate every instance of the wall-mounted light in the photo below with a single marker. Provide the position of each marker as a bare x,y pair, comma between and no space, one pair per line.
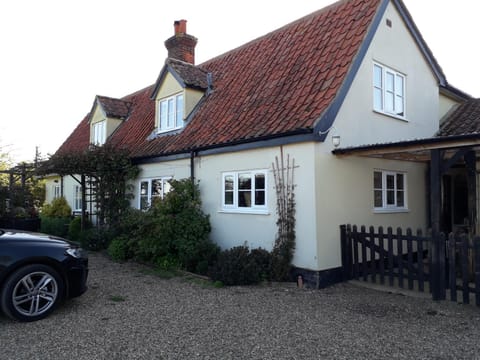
335,136
336,140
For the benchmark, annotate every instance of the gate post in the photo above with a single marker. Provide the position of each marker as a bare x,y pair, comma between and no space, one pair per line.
346,249
438,249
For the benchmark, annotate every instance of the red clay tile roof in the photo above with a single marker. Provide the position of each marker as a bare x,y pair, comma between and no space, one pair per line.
463,120
115,108
79,139
276,85
191,75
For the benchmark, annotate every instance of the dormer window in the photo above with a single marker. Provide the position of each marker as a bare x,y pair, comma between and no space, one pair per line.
99,132
171,111
106,116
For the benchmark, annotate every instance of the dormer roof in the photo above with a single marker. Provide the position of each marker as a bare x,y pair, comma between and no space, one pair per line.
187,75
113,108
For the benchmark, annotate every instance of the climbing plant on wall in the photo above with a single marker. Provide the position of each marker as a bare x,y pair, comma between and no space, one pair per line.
283,250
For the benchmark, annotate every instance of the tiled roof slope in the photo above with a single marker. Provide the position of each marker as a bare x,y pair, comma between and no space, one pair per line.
115,108
276,85
78,140
191,75
463,120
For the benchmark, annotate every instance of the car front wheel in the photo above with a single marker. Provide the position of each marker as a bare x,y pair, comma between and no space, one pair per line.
31,293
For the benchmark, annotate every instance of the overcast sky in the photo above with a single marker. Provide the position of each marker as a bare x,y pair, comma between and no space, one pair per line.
56,55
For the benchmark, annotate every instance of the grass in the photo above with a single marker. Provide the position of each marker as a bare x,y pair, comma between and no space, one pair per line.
117,298
200,280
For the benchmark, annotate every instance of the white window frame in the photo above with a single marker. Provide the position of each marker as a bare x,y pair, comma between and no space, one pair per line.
397,94
77,198
56,191
233,203
165,188
390,203
99,132
173,108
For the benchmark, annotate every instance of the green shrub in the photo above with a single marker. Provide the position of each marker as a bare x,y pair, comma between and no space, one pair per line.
282,255
118,248
173,233
58,208
75,228
240,266
57,226
134,228
167,263
176,226
96,238
263,259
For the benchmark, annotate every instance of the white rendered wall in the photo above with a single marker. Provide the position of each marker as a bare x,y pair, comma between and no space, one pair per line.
357,123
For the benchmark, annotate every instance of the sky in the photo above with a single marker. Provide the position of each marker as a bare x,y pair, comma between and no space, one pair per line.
57,55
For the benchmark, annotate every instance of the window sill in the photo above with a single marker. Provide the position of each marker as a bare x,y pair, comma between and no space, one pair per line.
390,115
169,130
244,211
390,211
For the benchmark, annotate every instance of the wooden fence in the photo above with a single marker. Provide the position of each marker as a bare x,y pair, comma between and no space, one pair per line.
407,260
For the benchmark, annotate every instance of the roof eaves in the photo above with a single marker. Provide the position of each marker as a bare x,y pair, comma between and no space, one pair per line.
296,136
160,78
425,144
454,92
166,68
96,103
325,123
427,53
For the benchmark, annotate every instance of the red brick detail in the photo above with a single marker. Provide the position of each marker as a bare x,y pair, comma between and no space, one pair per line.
181,46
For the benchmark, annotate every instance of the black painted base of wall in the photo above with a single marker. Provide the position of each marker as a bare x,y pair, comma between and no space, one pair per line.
317,279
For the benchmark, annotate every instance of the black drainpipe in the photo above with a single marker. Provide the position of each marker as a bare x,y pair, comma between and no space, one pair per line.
192,168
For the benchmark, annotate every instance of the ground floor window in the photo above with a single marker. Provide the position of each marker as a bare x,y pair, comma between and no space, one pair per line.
245,191
77,198
389,190
56,191
151,189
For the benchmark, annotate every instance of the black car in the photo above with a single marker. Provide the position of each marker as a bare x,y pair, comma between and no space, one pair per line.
37,272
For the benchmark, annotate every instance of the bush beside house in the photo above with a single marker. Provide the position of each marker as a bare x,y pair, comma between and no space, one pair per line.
173,231
56,217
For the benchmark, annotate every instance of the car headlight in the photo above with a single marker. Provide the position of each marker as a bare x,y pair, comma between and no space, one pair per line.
77,253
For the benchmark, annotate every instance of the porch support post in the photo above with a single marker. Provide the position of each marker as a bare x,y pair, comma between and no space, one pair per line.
438,249
471,164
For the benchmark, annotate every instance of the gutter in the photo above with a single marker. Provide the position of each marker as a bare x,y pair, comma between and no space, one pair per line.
244,144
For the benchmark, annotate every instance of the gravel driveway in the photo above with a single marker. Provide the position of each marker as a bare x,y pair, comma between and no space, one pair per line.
128,313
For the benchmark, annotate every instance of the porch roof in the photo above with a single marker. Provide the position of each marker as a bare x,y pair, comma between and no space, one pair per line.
413,150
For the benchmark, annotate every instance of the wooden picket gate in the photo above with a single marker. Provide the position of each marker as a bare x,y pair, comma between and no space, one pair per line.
406,260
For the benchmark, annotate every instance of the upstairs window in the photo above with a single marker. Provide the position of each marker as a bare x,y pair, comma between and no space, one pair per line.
170,112
390,190
99,133
245,191
151,189
388,91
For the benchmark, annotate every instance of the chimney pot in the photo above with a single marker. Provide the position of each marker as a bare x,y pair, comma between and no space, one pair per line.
180,27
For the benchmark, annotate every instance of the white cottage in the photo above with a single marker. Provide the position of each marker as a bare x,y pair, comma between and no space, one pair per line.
323,87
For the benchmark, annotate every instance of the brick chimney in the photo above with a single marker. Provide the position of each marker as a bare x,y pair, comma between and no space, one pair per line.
181,46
